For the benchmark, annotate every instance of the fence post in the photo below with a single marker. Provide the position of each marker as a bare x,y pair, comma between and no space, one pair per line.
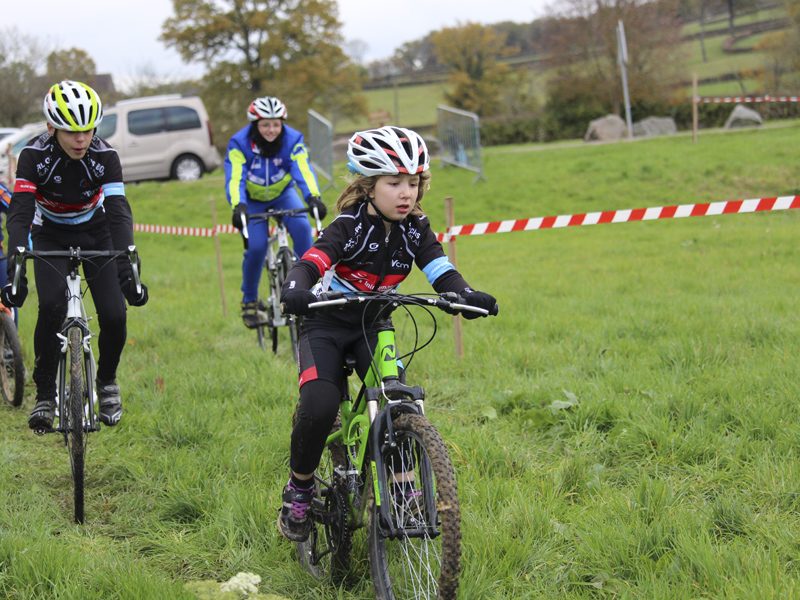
694,108
218,251
451,253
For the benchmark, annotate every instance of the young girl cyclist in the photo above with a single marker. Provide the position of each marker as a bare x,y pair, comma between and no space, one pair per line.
370,246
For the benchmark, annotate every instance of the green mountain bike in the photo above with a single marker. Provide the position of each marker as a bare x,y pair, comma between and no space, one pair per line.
386,466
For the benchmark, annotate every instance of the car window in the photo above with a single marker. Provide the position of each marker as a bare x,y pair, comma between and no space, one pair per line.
146,121
181,117
107,127
18,146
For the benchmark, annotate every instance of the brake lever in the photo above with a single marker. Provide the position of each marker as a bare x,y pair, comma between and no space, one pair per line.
133,256
19,268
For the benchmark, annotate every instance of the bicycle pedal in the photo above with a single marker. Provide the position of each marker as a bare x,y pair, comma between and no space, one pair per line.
42,430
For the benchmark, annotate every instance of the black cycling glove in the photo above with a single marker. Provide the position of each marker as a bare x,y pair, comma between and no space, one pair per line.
236,219
134,298
295,302
479,300
15,300
316,202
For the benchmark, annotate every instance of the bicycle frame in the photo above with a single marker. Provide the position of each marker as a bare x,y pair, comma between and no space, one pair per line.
277,242
278,260
364,422
77,317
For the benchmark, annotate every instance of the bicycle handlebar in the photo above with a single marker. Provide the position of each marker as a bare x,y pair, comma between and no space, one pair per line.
77,254
276,214
453,305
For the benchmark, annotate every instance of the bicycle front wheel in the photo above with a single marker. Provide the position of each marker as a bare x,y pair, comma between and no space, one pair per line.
75,431
423,558
12,369
285,262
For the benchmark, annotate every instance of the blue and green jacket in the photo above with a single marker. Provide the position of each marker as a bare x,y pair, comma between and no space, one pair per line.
251,176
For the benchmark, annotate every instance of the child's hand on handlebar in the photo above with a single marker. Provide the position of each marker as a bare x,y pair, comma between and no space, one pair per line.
479,300
133,297
15,300
296,302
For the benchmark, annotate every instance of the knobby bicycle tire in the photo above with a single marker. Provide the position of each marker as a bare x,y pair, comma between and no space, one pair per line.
260,337
326,553
12,368
284,266
417,565
274,282
75,432
283,263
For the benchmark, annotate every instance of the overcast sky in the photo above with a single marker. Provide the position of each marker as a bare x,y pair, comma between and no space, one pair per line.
122,37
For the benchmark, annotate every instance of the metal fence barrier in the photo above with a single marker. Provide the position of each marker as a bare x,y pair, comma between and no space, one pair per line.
320,147
460,137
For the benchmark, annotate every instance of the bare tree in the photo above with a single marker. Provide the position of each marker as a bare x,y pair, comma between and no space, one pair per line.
583,48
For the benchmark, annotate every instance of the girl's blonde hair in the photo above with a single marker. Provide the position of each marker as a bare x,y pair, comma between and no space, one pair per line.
359,189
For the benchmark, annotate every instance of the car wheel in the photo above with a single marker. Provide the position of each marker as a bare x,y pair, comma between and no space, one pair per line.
187,168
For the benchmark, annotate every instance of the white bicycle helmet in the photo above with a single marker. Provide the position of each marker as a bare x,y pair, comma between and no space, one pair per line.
387,151
72,106
267,107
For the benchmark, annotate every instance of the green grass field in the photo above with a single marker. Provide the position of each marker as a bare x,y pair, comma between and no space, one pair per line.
627,427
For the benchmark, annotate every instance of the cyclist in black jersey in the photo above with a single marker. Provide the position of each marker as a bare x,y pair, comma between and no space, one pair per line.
370,246
69,193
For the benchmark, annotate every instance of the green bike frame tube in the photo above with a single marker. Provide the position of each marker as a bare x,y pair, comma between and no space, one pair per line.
385,358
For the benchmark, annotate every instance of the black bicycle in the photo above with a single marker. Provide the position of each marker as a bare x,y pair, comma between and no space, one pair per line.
280,258
76,399
12,368
384,458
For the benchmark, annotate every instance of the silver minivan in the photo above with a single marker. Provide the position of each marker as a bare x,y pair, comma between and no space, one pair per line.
161,137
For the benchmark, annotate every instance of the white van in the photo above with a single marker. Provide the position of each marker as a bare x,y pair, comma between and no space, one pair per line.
161,137
12,145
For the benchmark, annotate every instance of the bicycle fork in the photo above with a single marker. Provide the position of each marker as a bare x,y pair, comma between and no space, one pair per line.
76,317
383,386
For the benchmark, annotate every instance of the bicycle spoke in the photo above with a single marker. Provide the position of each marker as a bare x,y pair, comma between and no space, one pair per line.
424,559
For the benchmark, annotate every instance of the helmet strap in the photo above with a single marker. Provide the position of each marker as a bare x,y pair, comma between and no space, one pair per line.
380,214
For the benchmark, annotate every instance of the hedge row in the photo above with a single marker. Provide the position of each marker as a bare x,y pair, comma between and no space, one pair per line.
549,125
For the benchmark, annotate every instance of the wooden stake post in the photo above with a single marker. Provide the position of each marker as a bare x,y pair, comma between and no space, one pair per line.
451,253
695,118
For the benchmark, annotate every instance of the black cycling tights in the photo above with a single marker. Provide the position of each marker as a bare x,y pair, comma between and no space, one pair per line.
101,275
319,404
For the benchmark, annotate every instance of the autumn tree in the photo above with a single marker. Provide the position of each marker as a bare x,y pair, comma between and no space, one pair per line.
477,77
584,55
73,63
20,91
285,48
781,73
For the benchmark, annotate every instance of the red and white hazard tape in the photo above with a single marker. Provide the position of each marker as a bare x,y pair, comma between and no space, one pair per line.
745,99
677,211
190,231
184,231
624,216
